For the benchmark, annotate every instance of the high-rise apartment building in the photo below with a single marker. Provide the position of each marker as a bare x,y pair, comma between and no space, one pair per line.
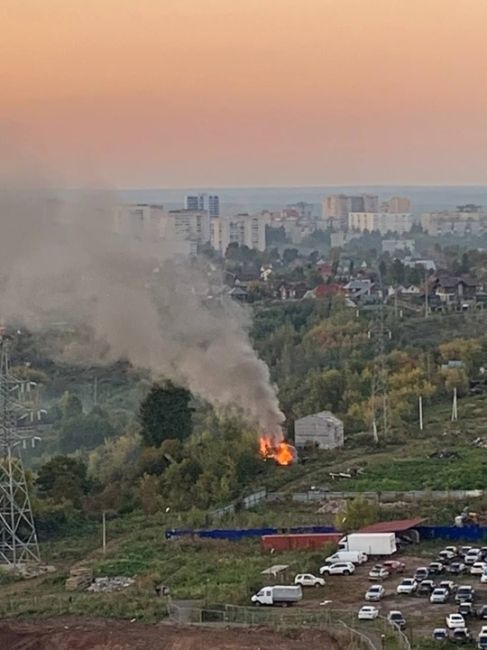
242,229
337,207
397,204
208,202
455,222
384,222
193,225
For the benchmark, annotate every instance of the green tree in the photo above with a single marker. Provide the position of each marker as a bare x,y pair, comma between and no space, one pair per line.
84,432
357,513
150,499
70,405
63,478
165,413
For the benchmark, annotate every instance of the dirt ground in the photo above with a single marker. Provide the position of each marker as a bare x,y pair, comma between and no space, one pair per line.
348,592
86,634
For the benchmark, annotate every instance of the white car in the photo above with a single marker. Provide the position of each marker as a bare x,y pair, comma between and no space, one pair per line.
368,613
454,621
338,569
375,592
308,580
474,555
483,578
378,572
439,596
407,586
478,568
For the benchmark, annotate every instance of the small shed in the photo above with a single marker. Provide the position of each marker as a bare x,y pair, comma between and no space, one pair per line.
323,429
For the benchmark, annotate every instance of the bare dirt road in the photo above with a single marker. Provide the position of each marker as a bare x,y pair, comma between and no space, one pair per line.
87,634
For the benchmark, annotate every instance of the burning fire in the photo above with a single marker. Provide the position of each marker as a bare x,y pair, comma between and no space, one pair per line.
281,452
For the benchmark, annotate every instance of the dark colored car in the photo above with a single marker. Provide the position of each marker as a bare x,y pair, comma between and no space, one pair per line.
465,593
482,612
460,635
467,609
456,568
421,573
425,587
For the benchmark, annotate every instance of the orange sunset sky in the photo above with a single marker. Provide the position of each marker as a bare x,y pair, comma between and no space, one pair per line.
140,93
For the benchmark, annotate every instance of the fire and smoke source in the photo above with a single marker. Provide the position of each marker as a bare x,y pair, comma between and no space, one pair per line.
280,451
60,261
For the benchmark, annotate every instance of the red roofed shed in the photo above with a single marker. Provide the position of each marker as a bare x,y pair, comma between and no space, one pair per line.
396,526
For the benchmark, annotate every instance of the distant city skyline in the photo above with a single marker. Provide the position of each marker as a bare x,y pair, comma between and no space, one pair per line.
256,93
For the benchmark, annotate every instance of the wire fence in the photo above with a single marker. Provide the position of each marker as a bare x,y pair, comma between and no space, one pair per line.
378,632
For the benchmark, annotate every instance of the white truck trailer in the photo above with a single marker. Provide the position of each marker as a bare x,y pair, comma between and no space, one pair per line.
369,543
278,595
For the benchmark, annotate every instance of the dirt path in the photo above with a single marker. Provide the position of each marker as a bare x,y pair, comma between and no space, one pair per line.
87,634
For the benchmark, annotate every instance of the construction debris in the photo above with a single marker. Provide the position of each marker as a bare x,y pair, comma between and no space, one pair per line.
80,577
111,584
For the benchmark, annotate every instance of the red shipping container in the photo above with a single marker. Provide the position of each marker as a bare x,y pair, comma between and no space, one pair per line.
303,542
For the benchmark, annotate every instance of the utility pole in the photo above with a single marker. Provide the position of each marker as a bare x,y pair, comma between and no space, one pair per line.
380,399
454,409
420,404
426,297
104,531
18,413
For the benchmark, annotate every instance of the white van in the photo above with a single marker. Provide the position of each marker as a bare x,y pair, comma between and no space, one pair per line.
357,557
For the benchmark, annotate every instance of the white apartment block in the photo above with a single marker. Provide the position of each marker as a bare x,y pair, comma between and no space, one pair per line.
184,230
243,229
337,207
453,222
384,222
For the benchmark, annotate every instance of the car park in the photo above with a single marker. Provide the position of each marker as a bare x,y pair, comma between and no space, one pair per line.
378,572
440,634
368,613
425,588
454,621
460,635
396,619
338,569
465,593
478,568
439,596
375,592
308,580
394,566
407,586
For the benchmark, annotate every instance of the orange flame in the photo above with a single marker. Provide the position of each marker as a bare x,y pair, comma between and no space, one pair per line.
281,452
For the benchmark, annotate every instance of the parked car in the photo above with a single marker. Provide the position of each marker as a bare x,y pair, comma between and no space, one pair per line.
460,635
451,549
407,586
483,550
448,584
439,596
375,592
474,555
421,573
338,569
456,568
308,580
357,557
425,588
483,578
467,609
440,634
482,612
463,550
478,568
368,613
436,568
465,593
454,621
446,555
378,571
394,566
396,619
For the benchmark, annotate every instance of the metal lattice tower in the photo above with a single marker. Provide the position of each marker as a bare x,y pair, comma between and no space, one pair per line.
380,385
18,537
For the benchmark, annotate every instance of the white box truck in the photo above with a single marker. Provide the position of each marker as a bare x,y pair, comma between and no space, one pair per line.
278,595
369,543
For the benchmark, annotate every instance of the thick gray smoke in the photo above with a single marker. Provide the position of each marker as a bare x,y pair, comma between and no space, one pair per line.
60,261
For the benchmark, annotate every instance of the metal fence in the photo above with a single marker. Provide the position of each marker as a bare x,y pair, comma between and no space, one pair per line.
313,496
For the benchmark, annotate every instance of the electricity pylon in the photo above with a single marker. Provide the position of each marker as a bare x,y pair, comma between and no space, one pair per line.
18,537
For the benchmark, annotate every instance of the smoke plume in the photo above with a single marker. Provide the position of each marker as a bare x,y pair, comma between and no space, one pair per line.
61,261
